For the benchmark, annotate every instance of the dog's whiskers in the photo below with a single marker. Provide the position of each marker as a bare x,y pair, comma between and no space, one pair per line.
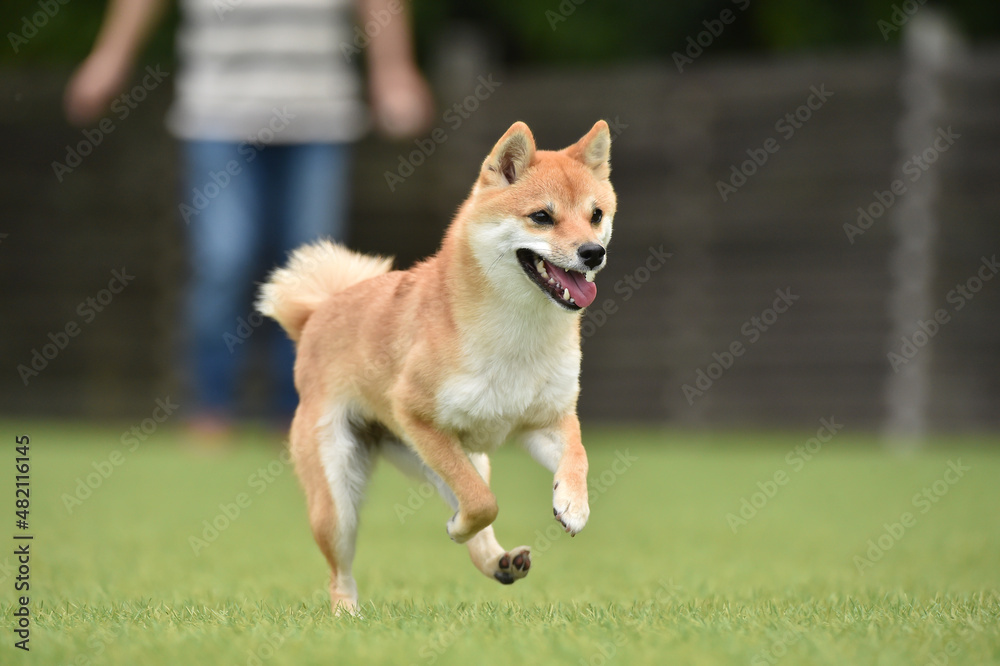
499,257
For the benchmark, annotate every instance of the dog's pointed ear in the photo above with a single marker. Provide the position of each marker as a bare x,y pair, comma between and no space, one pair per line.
510,158
594,150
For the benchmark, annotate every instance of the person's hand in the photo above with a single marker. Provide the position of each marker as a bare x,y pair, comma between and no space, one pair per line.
401,101
92,87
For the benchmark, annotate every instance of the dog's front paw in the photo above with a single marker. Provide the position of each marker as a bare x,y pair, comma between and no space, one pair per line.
458,529
465,525
570,506
513,565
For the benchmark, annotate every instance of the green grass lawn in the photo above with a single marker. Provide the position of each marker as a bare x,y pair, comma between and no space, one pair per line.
657,577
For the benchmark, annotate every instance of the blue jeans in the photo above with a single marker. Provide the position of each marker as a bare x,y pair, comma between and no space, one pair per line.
245,209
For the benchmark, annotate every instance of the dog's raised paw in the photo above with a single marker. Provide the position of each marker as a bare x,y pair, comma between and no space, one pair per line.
454,532
463,526
513,565
571,509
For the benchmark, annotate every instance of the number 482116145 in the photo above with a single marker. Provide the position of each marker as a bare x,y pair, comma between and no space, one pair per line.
22,465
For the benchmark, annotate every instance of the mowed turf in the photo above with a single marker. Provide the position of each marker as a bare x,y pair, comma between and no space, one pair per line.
657,577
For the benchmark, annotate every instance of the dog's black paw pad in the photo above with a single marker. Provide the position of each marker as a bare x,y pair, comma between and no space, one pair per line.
522,562
504,577
513,565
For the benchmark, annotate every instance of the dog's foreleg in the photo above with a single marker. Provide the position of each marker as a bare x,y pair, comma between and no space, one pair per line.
560,450
484,549
477,506
486,552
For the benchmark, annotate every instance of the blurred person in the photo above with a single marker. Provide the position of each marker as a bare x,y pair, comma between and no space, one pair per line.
267,103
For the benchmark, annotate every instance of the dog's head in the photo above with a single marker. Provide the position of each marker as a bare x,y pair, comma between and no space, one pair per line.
541,220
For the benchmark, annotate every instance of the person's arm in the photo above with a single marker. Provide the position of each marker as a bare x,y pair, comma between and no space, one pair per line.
400,96
127,25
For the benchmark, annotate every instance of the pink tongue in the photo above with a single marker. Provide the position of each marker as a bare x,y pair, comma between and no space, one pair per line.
580,290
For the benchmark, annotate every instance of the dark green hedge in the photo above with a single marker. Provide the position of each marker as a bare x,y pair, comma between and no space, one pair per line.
558,31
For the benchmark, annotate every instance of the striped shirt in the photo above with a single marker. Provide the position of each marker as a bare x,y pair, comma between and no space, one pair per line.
267,70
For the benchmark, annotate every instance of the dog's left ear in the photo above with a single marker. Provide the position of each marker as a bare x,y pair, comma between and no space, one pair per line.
594,150
510,158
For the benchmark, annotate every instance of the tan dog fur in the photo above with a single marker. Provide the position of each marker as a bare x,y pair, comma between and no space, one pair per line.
435,366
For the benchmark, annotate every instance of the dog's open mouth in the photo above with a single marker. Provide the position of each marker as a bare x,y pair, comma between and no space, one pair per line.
570,289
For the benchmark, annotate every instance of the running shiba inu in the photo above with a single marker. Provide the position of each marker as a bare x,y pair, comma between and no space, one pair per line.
436,366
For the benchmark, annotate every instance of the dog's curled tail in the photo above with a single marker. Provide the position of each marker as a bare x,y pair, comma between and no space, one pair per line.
313,274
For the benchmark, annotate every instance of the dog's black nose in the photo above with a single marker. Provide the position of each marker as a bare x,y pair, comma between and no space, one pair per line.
592,254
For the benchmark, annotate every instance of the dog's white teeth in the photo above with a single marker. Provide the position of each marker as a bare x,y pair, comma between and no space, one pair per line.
565,294
545,276
540,265
590,276
572,301
552,280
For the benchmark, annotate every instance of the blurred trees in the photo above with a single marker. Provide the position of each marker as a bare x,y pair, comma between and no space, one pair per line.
556,31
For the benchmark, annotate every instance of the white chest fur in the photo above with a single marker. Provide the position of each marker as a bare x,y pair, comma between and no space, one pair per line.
518,373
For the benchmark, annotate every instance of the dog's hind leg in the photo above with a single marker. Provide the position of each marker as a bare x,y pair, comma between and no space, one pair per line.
484,549
334,464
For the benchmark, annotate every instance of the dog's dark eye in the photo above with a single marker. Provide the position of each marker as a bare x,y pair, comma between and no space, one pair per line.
597,216
541,217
